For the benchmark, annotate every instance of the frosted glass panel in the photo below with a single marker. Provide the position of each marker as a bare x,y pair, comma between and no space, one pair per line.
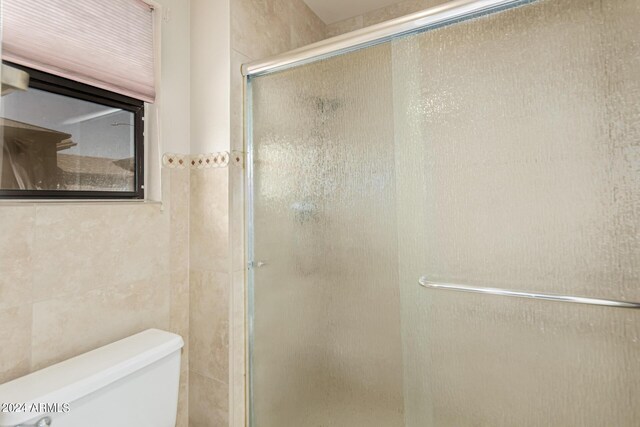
327,347
518,160
502,151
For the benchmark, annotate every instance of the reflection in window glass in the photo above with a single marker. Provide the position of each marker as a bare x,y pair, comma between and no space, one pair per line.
55,142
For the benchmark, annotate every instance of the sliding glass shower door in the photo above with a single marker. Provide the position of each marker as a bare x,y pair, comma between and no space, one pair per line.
327,347
518,167
498,152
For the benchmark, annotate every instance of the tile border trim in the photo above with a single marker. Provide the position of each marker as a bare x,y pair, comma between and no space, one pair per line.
209,160
221,159
174,161
237,158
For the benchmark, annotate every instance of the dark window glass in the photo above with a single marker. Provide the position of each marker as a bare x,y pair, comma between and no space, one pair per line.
64,139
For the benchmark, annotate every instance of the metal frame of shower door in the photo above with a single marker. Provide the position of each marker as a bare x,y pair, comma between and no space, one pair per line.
249,248
445,14
437,16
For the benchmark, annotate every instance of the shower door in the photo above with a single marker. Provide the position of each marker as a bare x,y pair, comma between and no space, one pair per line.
497,152
518,167
326,327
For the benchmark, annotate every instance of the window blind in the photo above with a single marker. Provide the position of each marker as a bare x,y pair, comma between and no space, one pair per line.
107,44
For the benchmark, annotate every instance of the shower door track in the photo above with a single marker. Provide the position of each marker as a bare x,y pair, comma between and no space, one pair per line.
437,16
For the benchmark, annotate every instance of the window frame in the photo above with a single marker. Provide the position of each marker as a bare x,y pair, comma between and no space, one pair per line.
61,86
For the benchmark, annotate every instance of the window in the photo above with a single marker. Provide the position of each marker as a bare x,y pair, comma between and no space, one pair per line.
64,139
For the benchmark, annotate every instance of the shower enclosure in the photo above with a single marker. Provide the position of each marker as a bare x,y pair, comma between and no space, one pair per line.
490,147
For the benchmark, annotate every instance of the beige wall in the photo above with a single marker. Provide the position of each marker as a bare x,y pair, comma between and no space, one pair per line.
380,15
209,76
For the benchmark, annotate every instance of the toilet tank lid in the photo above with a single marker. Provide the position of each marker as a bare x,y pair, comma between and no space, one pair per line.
75,378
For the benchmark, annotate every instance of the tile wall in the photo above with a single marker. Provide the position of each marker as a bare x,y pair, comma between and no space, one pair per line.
76,276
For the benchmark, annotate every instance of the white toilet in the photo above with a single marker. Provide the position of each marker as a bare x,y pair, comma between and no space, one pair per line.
130,383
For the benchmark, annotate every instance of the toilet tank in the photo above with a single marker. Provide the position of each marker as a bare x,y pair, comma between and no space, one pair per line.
129,383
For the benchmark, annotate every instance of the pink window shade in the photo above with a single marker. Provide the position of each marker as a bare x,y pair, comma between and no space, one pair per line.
107,44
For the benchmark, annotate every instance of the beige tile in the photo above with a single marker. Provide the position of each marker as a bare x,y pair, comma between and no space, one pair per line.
208,402
209,219
178,183
179,324
16,244
67,326
15,339
182,419
346,26
306,27
237,218
83,247
260,28
179,294
165,187
209,324
179,219
179,308
237,349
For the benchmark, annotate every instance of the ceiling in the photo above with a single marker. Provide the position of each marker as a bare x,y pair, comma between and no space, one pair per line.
331,11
